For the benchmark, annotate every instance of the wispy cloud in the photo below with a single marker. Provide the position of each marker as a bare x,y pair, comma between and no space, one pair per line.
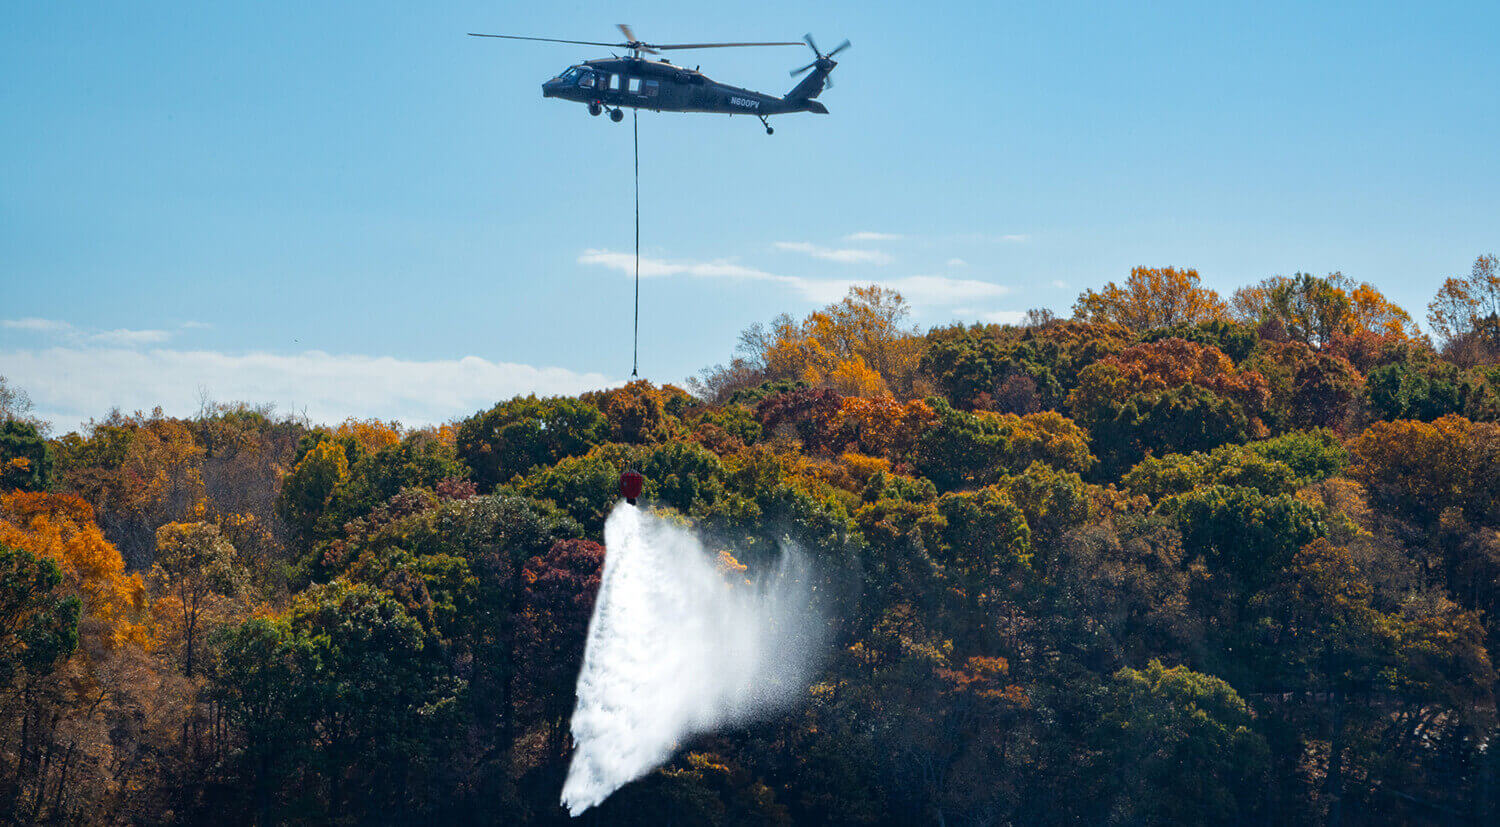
73,384
122,337
867,235
655,267
957,262
1059,284
843,256
921,291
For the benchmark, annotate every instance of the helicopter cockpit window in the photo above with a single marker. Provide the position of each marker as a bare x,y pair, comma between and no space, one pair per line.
586,79
570,75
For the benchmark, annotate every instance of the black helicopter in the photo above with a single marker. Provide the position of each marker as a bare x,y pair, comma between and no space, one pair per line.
639,83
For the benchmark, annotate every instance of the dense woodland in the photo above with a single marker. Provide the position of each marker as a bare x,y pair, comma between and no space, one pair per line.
1179,558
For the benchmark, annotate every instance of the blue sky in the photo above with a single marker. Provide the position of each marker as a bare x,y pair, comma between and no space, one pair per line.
351,208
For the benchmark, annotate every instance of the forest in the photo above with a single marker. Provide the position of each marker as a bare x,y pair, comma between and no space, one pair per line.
1175,557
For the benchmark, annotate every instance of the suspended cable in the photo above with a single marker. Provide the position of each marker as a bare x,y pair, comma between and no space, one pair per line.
635,349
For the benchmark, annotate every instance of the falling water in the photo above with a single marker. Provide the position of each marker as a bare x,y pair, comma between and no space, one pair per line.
678,647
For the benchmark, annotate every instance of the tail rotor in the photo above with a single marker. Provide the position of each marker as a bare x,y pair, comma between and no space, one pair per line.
822,62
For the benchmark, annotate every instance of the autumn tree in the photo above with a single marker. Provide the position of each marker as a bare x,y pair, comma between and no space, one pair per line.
1466,311
1319,310
560,588
1152,297
195,569
635,412
1419,469
61,528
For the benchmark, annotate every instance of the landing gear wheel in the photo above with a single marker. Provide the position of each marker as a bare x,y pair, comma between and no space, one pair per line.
595,109
770,131
616,115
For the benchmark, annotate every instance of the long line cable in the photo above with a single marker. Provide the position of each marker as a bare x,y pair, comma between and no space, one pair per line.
635,348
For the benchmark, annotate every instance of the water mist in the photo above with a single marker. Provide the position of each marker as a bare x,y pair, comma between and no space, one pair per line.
677,647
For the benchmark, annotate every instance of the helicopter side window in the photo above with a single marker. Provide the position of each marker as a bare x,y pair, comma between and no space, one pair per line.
614,83
652,88
634,86
586,80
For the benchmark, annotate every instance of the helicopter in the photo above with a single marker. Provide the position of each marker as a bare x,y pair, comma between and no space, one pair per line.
640,83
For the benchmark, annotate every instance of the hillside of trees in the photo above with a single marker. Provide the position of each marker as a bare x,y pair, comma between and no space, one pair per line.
1175,558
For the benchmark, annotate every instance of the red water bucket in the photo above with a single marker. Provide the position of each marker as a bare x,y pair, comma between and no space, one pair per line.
631,483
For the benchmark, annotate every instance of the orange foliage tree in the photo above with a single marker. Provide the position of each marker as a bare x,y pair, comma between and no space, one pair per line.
1152,297
856,346
61,528
1424,468
1153,367
884,427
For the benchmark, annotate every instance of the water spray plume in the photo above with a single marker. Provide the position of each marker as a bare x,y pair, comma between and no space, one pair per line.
678,647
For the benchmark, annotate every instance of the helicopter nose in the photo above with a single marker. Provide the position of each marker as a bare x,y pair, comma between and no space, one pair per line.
549,88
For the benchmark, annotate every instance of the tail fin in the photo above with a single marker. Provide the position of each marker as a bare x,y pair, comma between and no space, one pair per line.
810,87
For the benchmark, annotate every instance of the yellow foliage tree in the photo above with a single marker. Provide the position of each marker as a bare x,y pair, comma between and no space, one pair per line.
1152,297
856,346
370,434
61,527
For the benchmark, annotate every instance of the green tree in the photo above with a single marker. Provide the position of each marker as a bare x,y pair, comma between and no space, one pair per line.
339,701
1182,748
38,620
516,436
25,457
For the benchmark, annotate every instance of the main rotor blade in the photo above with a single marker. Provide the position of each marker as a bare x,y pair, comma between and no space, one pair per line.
551,40
715,45
841,47
625,30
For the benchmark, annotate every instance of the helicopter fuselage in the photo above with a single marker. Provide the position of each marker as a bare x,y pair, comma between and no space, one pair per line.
663,87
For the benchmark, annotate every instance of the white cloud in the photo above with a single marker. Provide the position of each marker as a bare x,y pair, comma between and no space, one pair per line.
122,337
1015,238
69,385
945,291
843,256
920,291
866,235
126,338
1059,284
33,325
957,262
653,267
